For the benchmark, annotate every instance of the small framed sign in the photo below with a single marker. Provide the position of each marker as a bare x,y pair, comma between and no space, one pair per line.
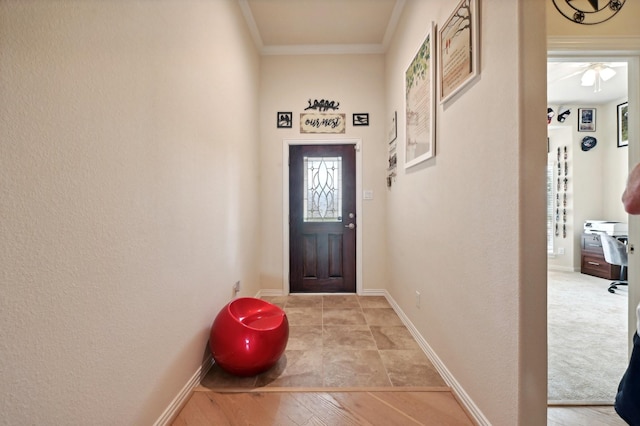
623,124
285,120
393,128
322,123
586,119
361,119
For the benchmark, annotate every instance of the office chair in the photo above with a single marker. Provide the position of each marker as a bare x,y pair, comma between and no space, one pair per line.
615,253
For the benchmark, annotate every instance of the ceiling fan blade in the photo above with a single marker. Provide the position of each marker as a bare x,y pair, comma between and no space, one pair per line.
588,78
607,73
570,75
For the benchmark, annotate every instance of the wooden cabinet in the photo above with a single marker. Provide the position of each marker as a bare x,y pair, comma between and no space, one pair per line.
592,259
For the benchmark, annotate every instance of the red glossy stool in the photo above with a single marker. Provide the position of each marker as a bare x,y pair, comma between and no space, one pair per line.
248,336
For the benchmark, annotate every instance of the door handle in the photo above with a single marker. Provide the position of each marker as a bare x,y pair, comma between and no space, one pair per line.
350,226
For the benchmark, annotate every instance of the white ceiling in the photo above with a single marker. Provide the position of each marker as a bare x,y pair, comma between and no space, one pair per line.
366,26
563,84
327,26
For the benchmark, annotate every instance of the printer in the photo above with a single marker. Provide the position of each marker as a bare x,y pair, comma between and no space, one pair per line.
614,229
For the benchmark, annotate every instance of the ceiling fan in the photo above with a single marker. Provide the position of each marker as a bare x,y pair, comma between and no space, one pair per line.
595,74
592,73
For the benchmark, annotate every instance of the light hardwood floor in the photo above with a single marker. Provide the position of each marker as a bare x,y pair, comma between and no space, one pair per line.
330,408
323,408
583,415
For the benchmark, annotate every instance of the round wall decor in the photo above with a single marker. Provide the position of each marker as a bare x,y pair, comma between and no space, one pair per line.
588,12
588,142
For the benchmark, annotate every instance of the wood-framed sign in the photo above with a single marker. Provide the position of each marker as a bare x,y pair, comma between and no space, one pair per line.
458,51
322,122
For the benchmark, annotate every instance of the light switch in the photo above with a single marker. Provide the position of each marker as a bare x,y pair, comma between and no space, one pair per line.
367,194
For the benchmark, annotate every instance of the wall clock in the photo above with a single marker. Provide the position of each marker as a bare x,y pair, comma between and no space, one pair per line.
588,12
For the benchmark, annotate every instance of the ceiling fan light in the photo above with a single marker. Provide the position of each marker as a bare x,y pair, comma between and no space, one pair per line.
607,73
588,78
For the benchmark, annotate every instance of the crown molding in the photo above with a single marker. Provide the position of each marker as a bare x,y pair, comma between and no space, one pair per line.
323,49
393,23
251,23
596,45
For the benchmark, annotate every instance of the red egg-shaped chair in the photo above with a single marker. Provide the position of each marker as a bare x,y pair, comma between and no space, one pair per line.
248,336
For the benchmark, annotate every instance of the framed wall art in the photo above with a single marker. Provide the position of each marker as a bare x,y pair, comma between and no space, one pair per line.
393,128
458,51
322,122
285,120
623,124
361,119
586,119
420,103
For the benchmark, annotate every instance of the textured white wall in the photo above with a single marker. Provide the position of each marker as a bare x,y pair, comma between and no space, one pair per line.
357,82
466,229
128,197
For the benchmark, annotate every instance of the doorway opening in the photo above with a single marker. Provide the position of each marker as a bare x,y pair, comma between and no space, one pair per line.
587,171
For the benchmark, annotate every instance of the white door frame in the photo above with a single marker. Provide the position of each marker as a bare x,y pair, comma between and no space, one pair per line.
624,49
285,204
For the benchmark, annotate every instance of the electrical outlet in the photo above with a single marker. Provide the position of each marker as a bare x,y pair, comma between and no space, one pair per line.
236,287
417,299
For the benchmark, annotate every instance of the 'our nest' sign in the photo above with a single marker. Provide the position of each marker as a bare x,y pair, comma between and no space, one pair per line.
322,122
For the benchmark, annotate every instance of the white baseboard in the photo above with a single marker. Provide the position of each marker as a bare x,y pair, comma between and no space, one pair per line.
462,396
269,292
183,396
374,292
275,292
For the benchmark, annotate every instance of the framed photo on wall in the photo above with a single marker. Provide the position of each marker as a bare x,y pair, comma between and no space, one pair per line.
285,120
420,103
393,128
458,51
623,124
361,119
586,119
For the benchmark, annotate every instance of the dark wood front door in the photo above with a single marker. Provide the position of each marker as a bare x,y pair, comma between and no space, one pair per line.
322,209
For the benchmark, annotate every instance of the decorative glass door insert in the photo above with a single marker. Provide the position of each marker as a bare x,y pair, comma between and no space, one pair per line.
322,189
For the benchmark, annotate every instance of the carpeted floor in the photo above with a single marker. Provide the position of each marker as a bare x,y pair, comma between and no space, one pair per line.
587,337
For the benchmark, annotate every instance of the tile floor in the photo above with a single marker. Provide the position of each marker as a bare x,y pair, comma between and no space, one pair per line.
340,341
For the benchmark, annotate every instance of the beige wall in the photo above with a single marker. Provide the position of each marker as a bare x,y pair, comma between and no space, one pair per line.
357,82
466,229
624,23
128,182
